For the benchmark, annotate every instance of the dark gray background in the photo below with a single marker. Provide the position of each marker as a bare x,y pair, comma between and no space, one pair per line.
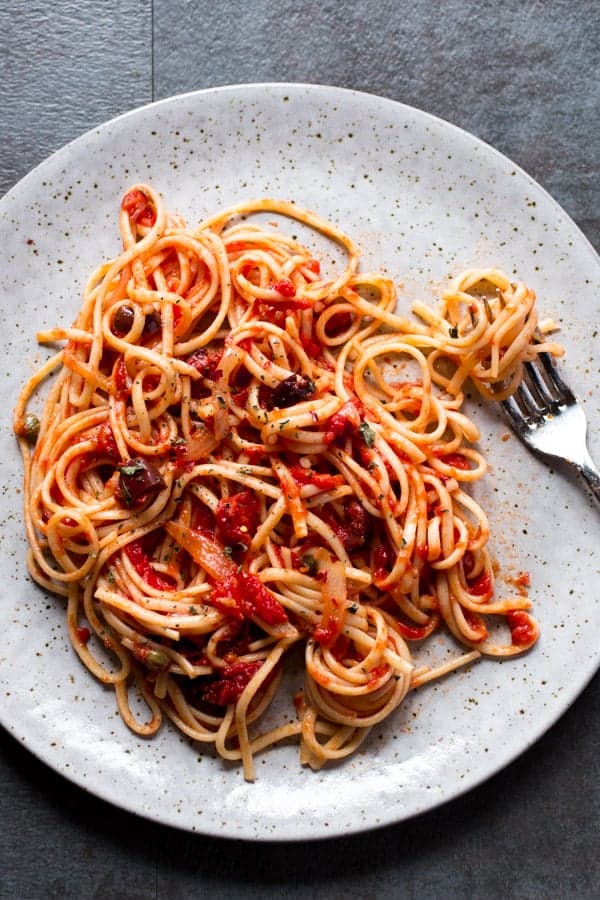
523,76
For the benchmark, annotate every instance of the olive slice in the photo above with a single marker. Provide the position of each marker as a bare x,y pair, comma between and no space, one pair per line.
139,479
292,389
123,319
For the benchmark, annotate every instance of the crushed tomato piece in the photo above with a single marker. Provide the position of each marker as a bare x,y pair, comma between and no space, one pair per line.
231,683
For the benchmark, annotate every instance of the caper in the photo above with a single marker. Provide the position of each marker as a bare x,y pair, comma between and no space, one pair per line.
157,659
31,427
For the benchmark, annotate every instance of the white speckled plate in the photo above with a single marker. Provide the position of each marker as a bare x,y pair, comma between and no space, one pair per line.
424,200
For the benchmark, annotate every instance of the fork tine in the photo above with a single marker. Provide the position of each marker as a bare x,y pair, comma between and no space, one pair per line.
527,403
514,414
564,394
539,389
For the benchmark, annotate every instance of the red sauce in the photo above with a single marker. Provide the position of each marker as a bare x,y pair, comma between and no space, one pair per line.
313,265
327,632
138,208
523,629
177,315
345,422
259,600
206,362
338,323
355,528
251,598
83,634
382,562
321,480
107,446
457,461
285,287
483,586
416,632
121,379
477,624
311,346
376,673
238,517
231,683
142,565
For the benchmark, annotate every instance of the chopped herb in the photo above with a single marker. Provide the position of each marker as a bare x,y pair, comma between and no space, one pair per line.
367,433
193,611
311,564
488,310
283,424
453,331
228,551
353,609
132,469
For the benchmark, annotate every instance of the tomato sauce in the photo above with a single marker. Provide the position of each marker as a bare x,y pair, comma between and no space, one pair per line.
143,566
523,629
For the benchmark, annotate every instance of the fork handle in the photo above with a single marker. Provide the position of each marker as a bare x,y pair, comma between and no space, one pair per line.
592,475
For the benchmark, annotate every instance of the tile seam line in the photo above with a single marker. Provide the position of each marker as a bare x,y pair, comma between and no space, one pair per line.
152,89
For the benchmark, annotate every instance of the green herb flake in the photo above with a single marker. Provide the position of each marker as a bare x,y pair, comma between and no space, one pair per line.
131,469
228,551
367,433
311,564
453,331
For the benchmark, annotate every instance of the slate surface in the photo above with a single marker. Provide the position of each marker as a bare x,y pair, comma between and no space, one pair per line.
523,76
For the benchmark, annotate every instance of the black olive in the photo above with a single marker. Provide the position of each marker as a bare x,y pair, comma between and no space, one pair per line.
123,319
152,323
292,389
139,479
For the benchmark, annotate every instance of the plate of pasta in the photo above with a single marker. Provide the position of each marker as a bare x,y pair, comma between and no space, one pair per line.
273,555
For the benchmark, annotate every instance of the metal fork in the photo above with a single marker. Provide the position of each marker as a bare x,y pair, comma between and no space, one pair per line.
546,415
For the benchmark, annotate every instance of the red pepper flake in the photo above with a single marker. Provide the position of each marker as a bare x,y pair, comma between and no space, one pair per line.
83,634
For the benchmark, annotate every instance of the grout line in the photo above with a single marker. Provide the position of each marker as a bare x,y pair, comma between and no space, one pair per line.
152,50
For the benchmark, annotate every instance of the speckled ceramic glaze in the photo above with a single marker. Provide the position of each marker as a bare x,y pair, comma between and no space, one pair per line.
423,200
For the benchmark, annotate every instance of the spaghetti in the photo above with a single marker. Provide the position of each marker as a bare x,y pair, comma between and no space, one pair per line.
239,457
